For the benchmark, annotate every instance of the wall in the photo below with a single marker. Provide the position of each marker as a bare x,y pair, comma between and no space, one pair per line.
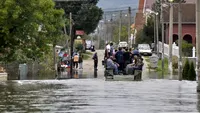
186,29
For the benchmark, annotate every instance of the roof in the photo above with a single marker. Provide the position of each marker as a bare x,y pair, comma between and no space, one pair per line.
188,13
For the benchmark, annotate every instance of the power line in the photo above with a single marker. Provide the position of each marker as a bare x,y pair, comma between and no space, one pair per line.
133,9
117,8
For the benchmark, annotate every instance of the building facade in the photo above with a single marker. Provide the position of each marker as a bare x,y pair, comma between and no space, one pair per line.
188,20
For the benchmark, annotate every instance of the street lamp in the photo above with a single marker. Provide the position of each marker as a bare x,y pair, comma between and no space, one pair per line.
155,28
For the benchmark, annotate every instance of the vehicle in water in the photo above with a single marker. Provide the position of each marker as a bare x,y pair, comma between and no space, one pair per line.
88,44
123,44
144,49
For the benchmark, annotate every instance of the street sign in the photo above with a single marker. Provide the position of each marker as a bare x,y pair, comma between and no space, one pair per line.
79,32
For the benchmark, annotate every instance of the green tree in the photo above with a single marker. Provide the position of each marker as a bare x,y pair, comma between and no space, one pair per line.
124,34
185,70
19,23
146,35
86,14
191,72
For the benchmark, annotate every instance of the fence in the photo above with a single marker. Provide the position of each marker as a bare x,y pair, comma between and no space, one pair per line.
175,50
33,71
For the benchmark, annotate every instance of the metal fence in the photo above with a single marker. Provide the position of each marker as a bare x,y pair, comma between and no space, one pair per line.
18,71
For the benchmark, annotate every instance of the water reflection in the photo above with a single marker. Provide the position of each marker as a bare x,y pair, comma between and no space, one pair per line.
90,96
198,102
95,74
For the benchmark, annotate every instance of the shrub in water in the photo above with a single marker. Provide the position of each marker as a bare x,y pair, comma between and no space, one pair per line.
191,72
175,62
185,70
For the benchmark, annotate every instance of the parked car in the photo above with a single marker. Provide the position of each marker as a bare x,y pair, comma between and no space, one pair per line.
144,49
123,44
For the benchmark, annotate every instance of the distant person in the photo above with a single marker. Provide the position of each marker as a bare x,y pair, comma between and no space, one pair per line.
120,59
93,48
76,58
108,48
131,55
136,65
111,49
111,64
106,54
136,52
95,58
126,57
80,61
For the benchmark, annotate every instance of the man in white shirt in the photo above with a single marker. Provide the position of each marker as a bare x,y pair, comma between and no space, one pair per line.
108,47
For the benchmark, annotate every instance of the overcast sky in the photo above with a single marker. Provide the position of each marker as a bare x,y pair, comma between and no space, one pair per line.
110,4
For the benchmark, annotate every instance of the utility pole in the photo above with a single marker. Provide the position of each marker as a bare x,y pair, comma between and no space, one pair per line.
154,34
162,21
120,24
98,36
129,26
72,43
170,38
157,35
157,32
180,40
65,35
198,42
106,36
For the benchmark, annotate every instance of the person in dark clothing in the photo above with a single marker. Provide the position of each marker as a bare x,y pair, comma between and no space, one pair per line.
95,58
126,57
120,59
80,61
131,55
111,49
106,54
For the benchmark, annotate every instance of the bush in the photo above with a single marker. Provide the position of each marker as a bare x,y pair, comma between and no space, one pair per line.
187,48
185,70
79,47
175,62
191,72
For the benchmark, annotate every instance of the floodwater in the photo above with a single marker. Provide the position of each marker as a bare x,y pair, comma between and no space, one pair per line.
96,95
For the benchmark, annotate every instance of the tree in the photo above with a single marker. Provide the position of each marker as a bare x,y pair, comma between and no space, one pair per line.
146,35
187,48
124,34
86,14
19,23
185,70
191,72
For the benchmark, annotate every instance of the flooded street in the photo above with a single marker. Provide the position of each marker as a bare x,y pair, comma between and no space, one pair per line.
99,96
87,91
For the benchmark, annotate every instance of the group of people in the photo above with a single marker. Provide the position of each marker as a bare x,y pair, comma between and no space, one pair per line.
123,60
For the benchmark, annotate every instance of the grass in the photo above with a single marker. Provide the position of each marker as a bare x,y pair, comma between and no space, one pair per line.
87,55
159,69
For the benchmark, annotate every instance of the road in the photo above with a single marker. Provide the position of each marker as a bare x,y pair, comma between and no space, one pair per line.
92,94
88,66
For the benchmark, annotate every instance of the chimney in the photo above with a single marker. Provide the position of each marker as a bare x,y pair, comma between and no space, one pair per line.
141,6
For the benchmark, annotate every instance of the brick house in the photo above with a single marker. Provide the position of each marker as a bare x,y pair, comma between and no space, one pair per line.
188,23
188,20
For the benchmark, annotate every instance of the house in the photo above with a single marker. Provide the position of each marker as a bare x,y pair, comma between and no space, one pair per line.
188,19
188,23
